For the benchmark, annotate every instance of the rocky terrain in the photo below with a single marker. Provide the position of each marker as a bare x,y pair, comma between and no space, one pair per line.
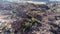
29,18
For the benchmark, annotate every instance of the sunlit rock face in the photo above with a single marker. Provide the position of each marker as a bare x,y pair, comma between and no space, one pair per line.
5,18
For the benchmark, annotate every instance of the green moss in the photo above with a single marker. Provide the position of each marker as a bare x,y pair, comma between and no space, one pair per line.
26,24
34,20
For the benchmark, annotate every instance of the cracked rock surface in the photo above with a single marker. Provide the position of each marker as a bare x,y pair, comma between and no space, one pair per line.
28,18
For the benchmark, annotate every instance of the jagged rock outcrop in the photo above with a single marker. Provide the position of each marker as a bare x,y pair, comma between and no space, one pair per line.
29,18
